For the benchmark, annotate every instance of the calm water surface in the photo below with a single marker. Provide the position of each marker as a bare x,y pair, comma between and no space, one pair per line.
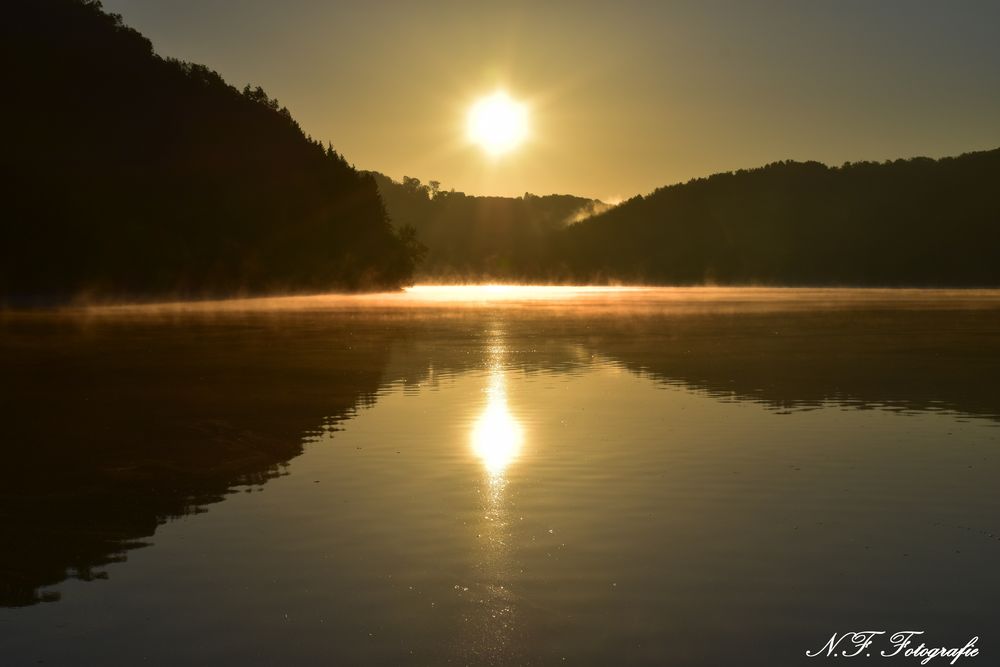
496,476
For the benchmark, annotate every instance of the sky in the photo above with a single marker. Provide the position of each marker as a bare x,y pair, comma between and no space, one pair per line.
622,97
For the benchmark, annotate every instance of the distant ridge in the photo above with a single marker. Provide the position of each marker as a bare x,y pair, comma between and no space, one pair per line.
919,222
915,222
473,237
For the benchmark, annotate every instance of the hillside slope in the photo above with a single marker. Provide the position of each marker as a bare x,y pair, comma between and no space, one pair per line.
128,174
919,222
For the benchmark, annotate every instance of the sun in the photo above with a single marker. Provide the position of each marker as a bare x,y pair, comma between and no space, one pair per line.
498,123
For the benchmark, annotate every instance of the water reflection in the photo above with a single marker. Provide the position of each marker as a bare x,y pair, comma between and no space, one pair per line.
496,435
157,419
497,438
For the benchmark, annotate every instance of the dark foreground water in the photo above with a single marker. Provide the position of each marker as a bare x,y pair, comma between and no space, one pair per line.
490,476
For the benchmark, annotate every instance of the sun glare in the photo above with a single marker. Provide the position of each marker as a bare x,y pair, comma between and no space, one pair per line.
498,123
496,435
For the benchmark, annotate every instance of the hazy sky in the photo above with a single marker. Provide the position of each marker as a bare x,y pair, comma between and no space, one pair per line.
624,96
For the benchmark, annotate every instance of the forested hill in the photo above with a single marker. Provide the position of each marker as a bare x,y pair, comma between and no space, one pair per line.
918,222
128,174
479,238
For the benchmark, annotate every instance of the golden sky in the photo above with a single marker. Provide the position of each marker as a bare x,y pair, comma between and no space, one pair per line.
622,97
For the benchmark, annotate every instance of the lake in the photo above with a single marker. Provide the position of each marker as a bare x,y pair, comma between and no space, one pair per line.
499,476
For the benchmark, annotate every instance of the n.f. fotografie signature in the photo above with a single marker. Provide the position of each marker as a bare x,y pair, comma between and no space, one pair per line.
901,644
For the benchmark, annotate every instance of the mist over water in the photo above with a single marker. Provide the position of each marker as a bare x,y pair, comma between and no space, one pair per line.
498,475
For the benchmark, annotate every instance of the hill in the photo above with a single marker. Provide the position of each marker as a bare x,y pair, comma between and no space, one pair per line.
128,174
475,238
916,222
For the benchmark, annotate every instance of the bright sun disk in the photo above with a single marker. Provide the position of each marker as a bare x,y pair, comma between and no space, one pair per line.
498,123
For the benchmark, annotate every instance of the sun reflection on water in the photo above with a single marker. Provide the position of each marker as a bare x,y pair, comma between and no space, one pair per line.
496,436
496,439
